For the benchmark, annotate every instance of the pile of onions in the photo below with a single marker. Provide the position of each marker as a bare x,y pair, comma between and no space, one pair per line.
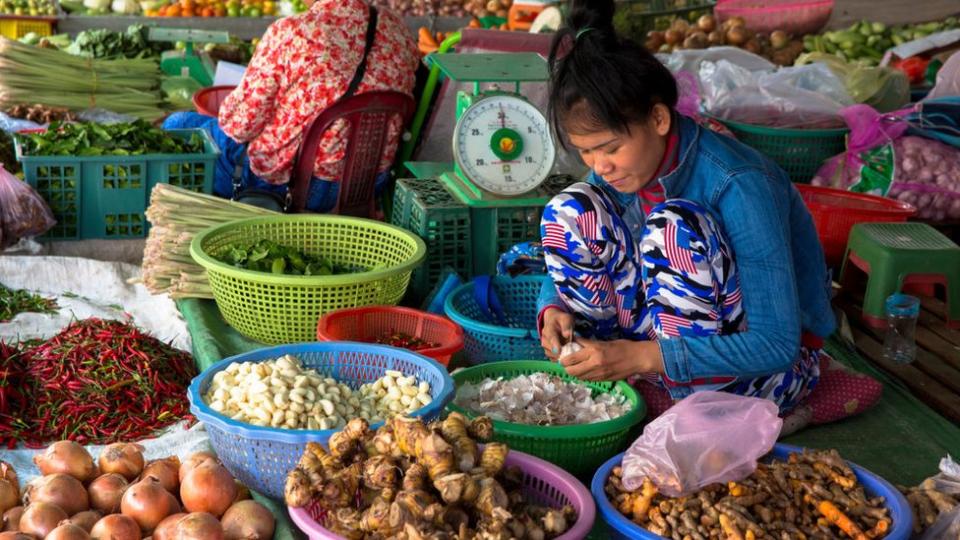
122,497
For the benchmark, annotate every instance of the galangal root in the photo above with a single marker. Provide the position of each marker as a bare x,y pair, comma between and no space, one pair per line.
811,496
410,480
927,503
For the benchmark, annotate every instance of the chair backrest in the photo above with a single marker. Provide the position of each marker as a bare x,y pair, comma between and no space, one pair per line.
368,118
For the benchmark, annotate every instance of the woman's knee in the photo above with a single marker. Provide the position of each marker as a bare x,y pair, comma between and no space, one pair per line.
581,207
680,223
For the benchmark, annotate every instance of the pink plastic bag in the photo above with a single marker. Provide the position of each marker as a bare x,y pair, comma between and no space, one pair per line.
23,213
881,160
707,438
797,17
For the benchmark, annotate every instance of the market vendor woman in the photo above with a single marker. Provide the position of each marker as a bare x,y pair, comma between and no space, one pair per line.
303,65
686,258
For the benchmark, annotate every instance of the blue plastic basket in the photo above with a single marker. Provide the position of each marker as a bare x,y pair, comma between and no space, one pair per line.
261,457
487,339
620,527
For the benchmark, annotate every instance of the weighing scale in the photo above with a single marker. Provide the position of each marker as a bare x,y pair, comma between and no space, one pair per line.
502,146
188,62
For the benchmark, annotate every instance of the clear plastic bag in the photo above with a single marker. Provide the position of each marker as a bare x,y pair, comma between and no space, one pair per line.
883,88
804,97
708,437
23,213
946,481
948,79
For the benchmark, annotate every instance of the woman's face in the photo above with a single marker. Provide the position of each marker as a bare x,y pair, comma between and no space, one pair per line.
627,161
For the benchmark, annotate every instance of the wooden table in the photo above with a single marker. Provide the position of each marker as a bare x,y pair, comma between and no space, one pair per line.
934,376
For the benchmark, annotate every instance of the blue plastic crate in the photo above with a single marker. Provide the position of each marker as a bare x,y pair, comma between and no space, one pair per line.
620,527
487,341
261,457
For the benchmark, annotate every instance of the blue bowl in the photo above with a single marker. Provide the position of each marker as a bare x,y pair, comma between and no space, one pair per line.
620,527
261,457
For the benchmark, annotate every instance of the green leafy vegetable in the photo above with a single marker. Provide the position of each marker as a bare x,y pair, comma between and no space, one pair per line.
13,302
109,44
271,257
92,139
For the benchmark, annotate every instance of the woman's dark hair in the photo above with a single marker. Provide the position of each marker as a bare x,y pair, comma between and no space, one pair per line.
603,81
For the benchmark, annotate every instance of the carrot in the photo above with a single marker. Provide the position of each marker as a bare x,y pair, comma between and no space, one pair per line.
835,516
426,42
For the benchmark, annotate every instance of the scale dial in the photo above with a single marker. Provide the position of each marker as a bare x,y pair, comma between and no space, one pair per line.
502,144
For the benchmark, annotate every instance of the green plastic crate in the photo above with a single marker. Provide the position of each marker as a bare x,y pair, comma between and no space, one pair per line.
468,239
578,449
800,152
106,196
634,18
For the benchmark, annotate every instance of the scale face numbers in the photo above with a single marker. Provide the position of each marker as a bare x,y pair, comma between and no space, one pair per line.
502,144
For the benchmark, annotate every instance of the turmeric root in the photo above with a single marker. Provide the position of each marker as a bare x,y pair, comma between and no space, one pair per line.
493,458
730,528
843,522
641,504
943,502
454,430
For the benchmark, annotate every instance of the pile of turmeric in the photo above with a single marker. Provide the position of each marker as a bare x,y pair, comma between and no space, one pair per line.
812,495
410,480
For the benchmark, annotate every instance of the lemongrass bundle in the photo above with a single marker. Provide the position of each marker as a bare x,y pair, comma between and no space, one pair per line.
54,78
176,215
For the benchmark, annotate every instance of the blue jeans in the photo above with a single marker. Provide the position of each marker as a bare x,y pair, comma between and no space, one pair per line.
322,196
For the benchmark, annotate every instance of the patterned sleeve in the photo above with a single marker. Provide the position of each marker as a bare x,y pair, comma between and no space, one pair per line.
250,107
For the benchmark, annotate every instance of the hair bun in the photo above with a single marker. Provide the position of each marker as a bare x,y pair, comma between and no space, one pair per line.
593,14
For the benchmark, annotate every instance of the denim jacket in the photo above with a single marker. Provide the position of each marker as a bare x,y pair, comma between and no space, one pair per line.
783,276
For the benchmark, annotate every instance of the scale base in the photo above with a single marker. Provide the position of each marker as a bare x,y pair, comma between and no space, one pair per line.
471,195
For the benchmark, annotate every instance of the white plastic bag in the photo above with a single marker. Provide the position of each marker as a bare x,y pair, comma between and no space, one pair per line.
706,438
804,97
946,481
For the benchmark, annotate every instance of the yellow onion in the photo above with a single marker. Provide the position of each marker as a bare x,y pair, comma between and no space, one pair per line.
167,529
208,488
106,491
14,535
9,495
68,531
194,461
199,526
60,489
248,520
86,520
148,503
125,459
8,473
66,457
11,518
40,518
167,471
116,527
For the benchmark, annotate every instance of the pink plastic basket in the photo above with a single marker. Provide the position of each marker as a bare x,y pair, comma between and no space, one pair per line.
797,17
207,101
544,484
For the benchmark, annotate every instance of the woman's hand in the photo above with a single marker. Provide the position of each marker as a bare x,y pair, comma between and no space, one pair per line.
557,330
613,360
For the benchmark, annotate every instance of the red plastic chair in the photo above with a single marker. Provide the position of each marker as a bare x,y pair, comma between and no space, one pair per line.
368,116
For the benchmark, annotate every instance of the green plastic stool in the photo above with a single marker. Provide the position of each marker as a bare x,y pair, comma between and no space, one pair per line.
895,255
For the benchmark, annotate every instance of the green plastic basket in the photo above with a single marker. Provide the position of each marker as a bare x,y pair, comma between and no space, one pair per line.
577,449
279,309
107,196
800,152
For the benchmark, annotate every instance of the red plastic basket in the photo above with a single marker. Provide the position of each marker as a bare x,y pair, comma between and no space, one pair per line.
836,211
208,100
797,17
370,322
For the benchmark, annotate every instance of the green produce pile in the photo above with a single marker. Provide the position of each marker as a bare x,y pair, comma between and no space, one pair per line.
867,42
13,302
43,76
31,8
92,139
109,44
268,256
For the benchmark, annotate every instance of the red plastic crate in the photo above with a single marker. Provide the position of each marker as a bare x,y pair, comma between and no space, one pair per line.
836,211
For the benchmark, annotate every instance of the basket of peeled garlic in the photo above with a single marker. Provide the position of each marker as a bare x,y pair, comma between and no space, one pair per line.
537,408
261,408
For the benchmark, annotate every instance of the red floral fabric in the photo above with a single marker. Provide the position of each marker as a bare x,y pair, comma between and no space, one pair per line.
302,66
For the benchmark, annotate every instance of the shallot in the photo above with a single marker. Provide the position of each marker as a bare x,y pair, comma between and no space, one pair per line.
540,399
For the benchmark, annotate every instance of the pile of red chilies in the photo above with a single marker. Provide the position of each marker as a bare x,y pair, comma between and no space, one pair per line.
96,382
